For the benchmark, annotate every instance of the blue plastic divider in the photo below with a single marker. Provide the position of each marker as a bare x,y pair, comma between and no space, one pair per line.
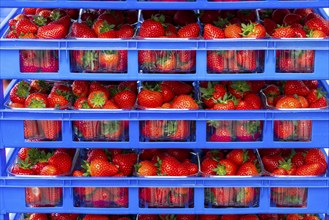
197,4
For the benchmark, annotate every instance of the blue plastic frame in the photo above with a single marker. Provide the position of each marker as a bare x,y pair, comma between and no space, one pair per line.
135,4
9,53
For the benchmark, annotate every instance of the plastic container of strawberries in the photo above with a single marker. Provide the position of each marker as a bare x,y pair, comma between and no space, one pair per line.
42,196
235,197
291,130
99,197
38,61
175,197
289,196
235,130
100,61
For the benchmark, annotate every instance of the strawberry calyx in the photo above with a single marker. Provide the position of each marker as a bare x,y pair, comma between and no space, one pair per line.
55,15
36,156
36,103
220,170
23,89
39,20
241,195
24,164
171,127
44,86
106,27
253,127
66,95
159,18
152,87
86,167
208,92
286,164
240,86
247,28
98,100
320,93
221,22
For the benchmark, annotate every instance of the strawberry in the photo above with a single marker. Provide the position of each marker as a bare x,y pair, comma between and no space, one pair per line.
209,16
51,129
247,169
100,167
178,130
150,98
166,61
33,195
212,32
168,166
212,93
20,92
51,31
126,32
312,34
62,160
50,170
248,130
36,100
208,166
288,101
238,156
221,135
184,17
292,18
189,31
57,101
283,129
30,129
239,88
125,99
254,100
22,168
23,153
146,168
233,31
215,62
247,60
151,29
44,13
303,11
81,103
253,30
97,99
81,30
25,26
40,86
304,129
179,88
95,217
318,24
36,216
279,14
296,87
73,13
226,167
283,32
153,129
125,162
80,88
271,163
269,25
313,169
184,102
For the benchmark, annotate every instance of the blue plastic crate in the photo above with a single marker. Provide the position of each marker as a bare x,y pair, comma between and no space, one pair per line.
197,4
13,191
9,53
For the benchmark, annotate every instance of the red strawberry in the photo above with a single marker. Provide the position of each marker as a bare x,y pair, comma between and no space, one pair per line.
233,31
296,87
284,32
283,129
125,162
52,31
57,101
25,26
270,26
20,92
81,30
179,88
184,102
126,31
238,156
271,163
247,169
189,31
125,99
215,62
318,24
313,169
221,135
36,100
100,167
80,88
239,88
63,161
97,99
51,129
212,32
292,18
253,30
288,101
50,170
151,29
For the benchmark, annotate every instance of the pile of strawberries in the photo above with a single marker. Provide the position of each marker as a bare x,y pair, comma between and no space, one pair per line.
294,162
231,217
231,95
58,216
100,95
171,162
104,163
168,24
295,94
219,24
31,161
236,162
298,23
103,24
41,94
167,95
42,23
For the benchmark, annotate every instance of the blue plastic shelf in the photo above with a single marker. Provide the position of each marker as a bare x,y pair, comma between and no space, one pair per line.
13,190
135,4
9,53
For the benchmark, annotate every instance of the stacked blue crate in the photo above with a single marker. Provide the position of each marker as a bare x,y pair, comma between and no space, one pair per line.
11,124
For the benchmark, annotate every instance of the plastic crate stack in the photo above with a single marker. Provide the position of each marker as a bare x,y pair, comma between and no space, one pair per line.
14,190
